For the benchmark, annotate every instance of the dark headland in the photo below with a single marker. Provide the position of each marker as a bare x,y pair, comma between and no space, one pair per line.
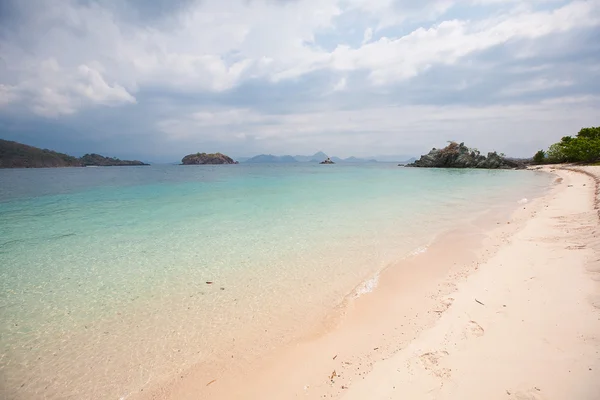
18,155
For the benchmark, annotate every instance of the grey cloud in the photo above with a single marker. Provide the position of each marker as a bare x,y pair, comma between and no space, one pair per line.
360,119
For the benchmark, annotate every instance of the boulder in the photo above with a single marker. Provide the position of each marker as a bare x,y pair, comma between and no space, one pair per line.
205,158
460,156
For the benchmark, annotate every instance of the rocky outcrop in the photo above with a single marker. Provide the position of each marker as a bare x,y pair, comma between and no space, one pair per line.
460,156
205,158
96,160
327,161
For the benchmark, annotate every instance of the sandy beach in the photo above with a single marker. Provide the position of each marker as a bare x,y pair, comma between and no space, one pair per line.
524,326
507,307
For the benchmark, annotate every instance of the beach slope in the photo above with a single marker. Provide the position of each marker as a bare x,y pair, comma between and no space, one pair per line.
524,325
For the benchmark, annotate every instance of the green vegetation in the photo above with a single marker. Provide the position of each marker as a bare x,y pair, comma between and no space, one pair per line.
539,157
101,161
584,148
17,155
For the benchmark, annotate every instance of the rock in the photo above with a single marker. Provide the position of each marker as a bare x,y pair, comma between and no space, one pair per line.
327,161
204,158
460,156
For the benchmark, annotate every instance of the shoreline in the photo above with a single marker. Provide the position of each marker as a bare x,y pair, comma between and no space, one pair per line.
525,326
365,331
186,329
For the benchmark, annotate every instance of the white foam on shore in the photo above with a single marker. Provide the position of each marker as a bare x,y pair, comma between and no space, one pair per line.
367,286
419,250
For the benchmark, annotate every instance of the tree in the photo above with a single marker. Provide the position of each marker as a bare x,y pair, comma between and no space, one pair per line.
590,133
539,157
585,147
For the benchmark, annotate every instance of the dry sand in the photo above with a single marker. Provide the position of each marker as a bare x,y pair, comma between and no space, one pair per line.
537,333
511,312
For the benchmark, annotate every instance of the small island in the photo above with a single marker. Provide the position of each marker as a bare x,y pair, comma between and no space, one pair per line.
93,159
207,159
460,156
18,155
327,161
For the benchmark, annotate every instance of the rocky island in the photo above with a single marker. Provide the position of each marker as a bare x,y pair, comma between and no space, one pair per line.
327,161
18,155
460,156
207,159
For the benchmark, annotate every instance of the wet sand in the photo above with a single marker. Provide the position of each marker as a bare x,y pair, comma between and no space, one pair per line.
505,307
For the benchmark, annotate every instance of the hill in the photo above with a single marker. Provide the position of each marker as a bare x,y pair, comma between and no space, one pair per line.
317,157
18,155
271,159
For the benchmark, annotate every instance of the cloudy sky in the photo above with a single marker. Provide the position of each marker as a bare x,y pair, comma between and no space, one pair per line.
157,79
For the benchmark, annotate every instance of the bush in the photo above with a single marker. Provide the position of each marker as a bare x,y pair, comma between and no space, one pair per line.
585,147
539,157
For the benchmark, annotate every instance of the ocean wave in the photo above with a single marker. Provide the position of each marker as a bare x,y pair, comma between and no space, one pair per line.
419,250
367,286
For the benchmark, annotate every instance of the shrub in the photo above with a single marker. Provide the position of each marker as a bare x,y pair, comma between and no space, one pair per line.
539,157
585,147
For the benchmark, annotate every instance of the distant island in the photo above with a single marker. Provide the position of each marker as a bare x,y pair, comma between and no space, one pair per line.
207,159
18,155
327,161
460,156
93,159
315,158
270,159
352,159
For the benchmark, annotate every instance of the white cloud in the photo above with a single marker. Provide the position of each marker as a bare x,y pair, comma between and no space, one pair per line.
215,45
8,94
379,129
340,85
535,85
94,88
70,55
368,35
390,60
53,91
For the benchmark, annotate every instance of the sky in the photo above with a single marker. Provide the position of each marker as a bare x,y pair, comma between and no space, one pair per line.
158,79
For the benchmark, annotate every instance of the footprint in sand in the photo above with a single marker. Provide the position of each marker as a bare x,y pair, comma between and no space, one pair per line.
595,301
474,329
444,305
530,394
431,363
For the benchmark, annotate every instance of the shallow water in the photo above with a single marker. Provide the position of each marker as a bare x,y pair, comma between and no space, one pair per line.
104,271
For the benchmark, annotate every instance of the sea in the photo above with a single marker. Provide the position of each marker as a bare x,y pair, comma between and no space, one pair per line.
114,279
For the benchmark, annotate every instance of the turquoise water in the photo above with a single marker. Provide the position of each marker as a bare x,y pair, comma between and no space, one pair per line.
103,271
